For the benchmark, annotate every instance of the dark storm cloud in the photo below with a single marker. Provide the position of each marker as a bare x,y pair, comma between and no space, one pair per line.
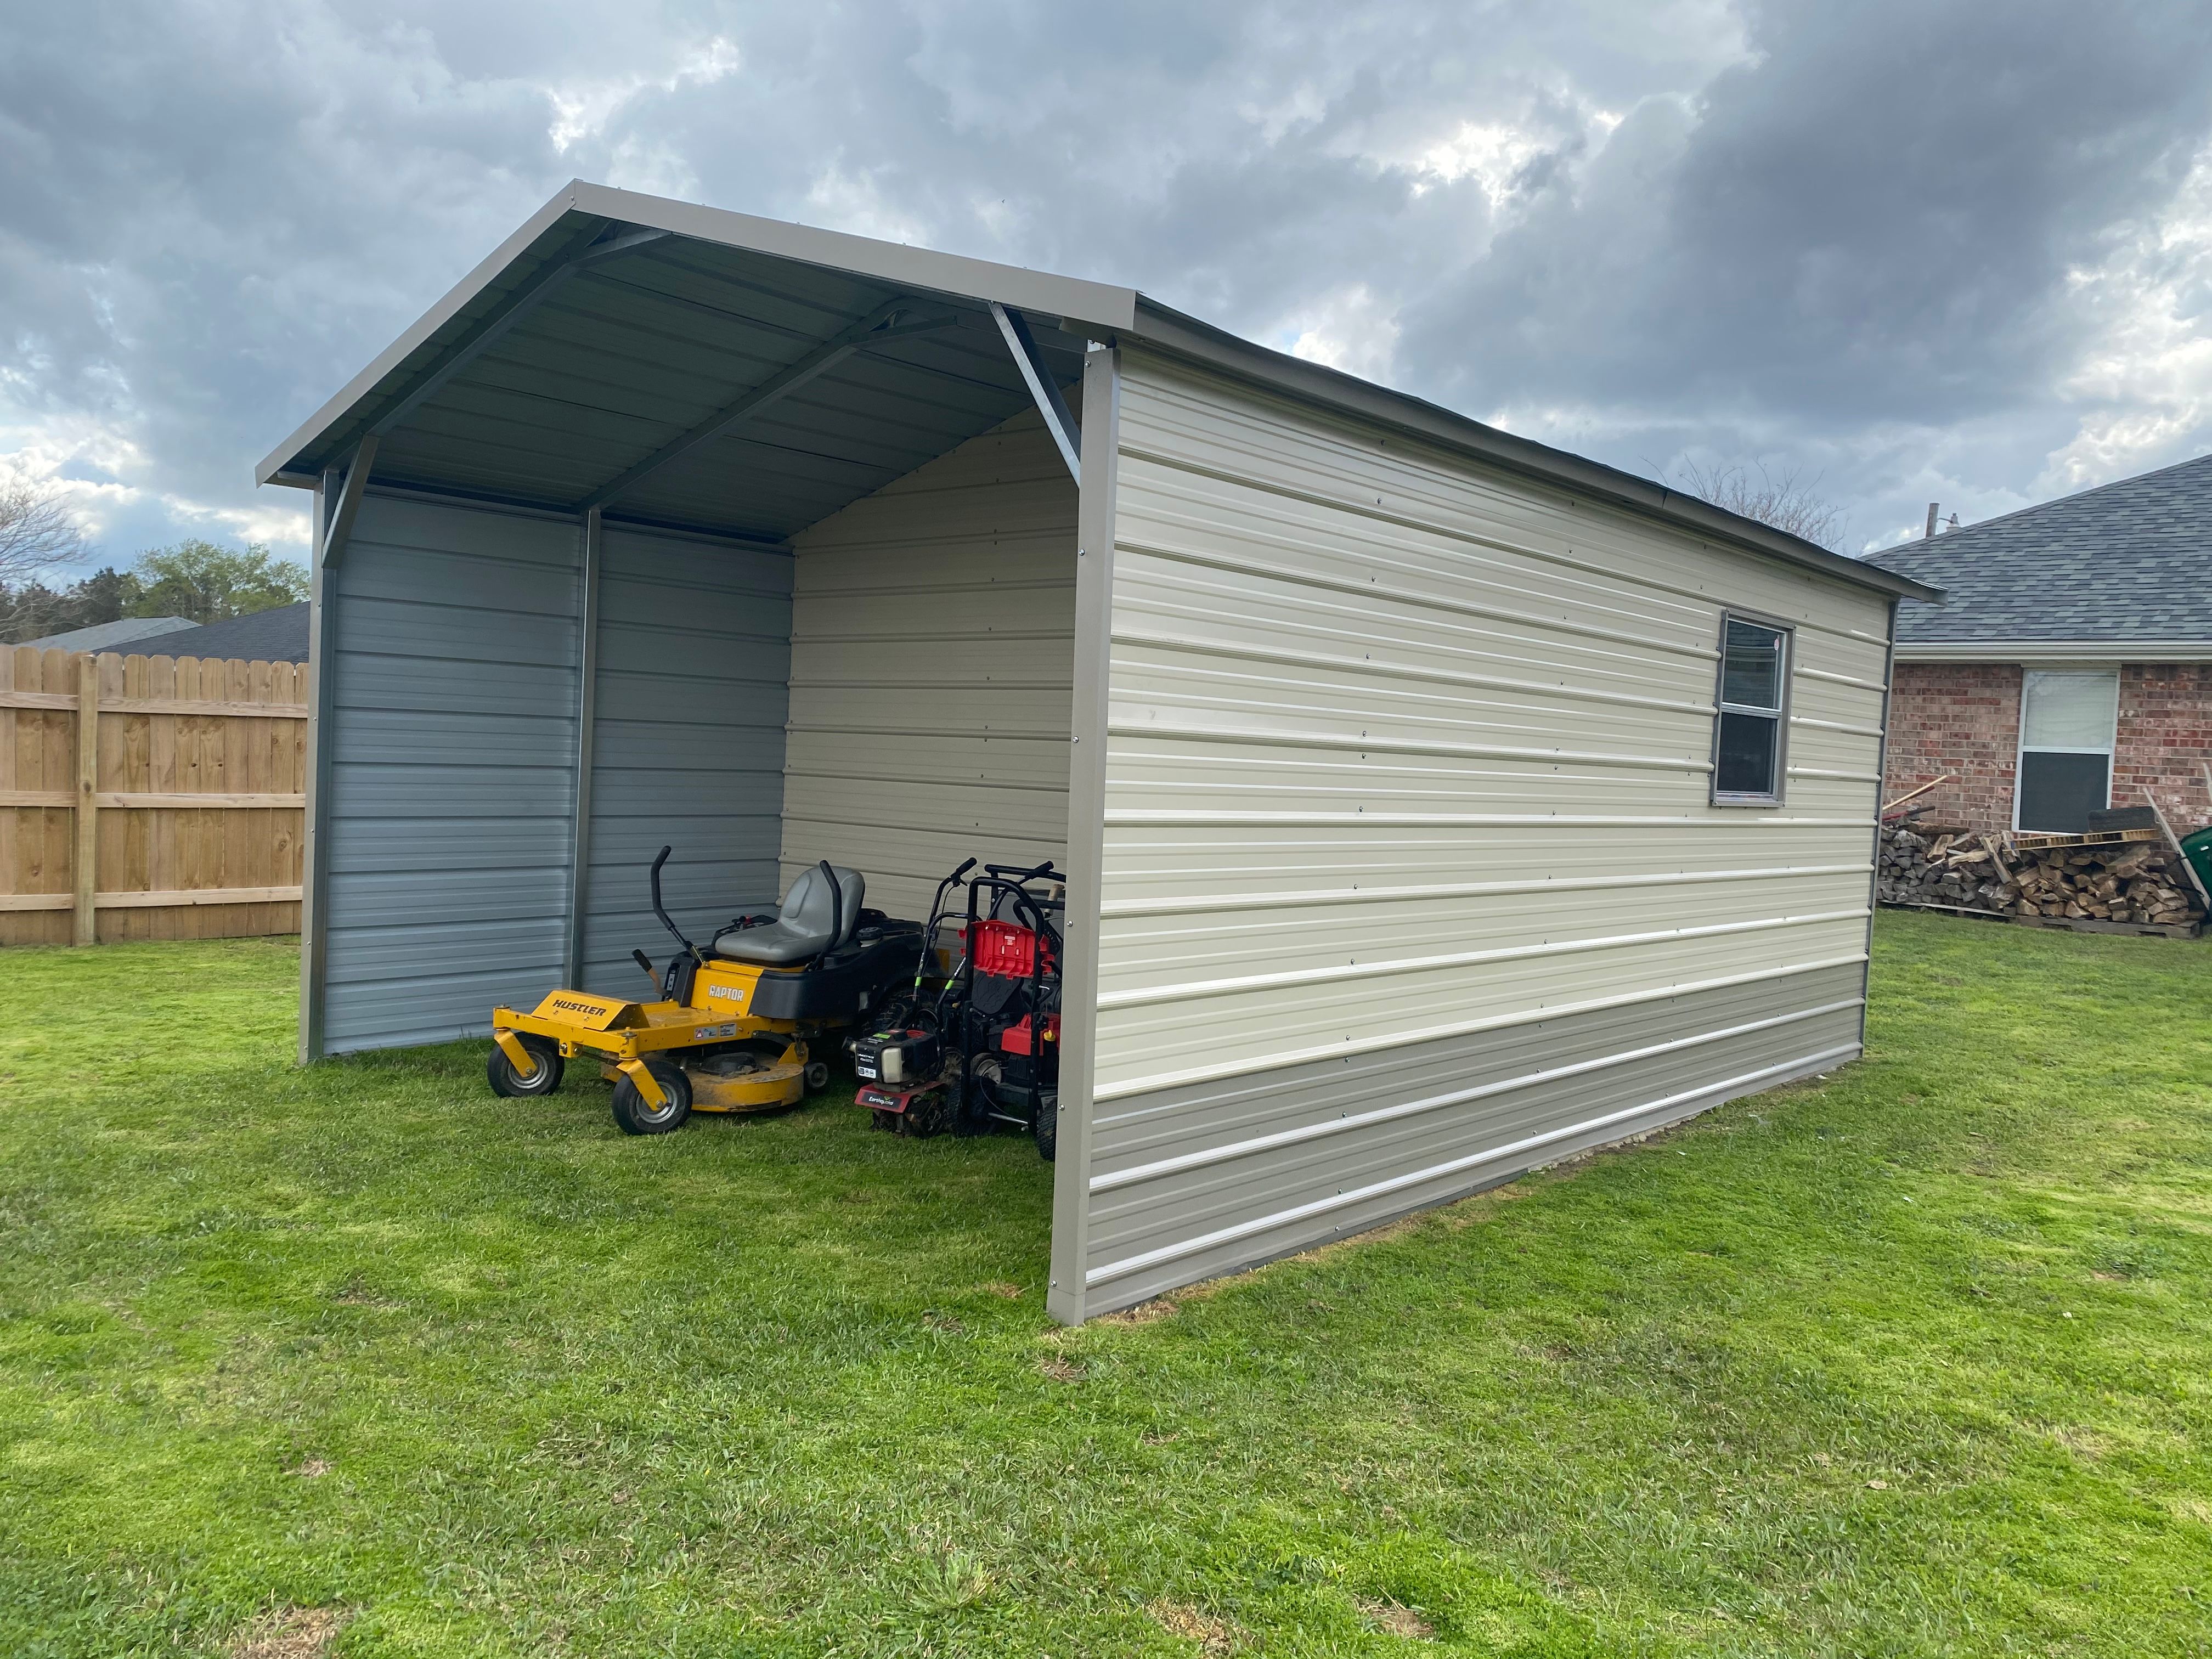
1874,218
1842,237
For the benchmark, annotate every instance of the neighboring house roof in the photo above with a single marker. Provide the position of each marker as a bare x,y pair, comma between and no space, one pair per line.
2122,572
277,635
106,636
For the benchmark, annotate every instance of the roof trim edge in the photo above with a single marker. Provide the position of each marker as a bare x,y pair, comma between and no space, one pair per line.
2032,651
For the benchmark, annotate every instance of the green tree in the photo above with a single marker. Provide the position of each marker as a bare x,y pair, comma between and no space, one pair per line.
34,610
205,583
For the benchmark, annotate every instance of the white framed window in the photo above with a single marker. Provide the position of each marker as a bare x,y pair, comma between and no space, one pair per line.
2068,718
1754,701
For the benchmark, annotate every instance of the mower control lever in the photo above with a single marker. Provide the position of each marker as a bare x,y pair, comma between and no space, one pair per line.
645,962
660,910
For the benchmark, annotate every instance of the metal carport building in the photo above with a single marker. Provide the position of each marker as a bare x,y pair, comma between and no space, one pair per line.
1412,840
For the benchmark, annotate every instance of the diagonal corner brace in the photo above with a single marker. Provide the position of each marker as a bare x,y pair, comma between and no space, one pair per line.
1042,387
337,529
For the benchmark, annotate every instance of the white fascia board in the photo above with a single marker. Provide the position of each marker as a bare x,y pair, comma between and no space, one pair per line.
2039,652
954,275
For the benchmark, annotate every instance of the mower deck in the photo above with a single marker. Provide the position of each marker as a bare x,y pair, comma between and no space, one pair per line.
772,1087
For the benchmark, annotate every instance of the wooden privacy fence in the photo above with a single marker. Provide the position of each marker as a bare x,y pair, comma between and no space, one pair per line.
149,798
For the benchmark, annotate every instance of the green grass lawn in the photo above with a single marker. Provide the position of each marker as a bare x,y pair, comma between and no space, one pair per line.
1915,1360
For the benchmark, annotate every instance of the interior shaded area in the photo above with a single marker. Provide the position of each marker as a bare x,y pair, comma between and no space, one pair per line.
665,542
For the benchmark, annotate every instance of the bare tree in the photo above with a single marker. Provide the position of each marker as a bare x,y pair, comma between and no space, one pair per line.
36,531
1789,500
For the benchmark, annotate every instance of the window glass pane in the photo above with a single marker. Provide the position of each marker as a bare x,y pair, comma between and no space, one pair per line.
1751,666
1745,765
2057,793
2068,710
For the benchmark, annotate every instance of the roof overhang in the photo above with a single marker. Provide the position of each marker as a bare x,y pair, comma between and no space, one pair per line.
441,369
2035,652
568,224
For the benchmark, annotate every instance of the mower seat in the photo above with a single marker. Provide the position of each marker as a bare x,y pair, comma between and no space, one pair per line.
811,918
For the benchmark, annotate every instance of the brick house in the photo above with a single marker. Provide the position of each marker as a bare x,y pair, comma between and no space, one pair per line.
2071,667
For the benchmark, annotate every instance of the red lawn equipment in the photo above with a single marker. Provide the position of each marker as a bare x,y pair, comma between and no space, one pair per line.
989,1022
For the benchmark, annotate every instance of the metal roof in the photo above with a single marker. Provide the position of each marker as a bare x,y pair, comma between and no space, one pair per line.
615,329
2124,564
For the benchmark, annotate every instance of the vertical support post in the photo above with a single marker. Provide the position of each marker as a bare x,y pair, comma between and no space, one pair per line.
1065,1297
85,868
1880,788
588,697
313,882
337,503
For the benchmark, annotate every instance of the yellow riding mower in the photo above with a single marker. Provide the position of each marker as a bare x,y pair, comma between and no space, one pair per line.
731,1029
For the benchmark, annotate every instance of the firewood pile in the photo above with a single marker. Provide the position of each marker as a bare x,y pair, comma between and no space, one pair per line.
2132,881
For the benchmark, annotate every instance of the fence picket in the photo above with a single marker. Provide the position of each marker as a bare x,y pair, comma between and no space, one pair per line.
217,744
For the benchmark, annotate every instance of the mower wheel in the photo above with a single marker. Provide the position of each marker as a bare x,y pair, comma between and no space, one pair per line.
1044,1127
635,1116
817,1076
500,1073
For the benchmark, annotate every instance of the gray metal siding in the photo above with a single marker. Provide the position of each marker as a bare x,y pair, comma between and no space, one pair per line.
1406,758
931,659
694,653
1191,1183
452,734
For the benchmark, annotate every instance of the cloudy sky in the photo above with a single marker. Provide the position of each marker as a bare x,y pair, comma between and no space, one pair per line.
1918,251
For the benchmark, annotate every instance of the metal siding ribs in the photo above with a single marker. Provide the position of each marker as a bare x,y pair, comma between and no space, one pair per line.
1406,776
693,652
453,736
1190,1182
930,660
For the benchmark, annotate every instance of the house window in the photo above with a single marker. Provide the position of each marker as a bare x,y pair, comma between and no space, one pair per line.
2067,720
1747,745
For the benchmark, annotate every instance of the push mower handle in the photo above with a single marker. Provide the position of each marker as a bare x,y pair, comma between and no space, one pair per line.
937,904
1010,873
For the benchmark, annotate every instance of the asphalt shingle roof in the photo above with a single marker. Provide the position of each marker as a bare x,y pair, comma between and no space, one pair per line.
109,636
2126,561
277,635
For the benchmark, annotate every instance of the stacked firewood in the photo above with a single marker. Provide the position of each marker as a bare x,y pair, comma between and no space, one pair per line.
2136,881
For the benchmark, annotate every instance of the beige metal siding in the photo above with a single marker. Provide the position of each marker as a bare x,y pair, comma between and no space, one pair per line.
1401,751
933,634
1193,1182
